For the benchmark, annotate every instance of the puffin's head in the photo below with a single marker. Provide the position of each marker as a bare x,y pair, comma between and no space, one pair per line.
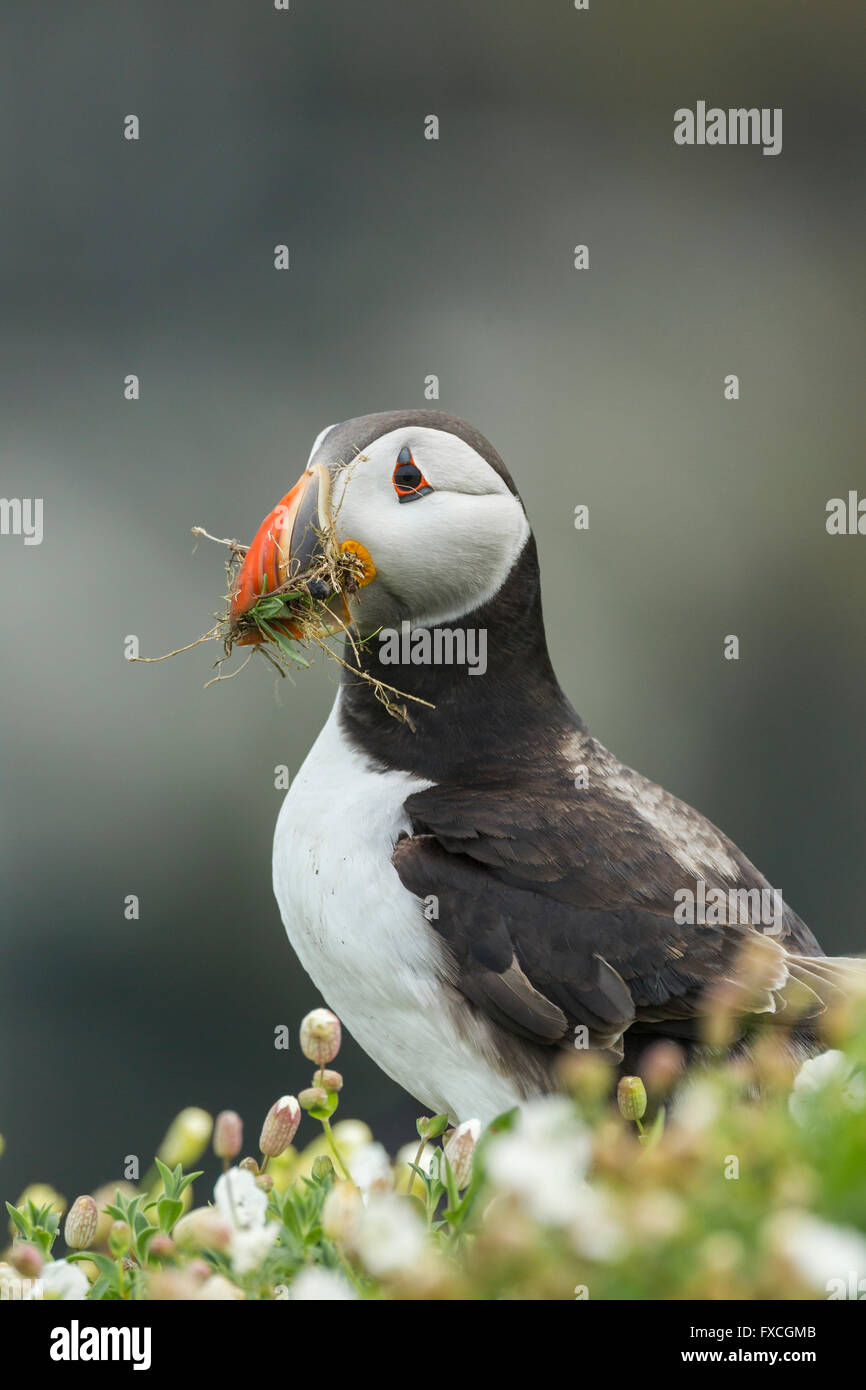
421,496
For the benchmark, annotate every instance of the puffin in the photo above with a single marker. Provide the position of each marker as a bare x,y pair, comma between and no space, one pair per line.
483,887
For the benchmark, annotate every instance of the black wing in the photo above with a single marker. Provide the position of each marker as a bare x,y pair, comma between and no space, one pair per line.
557,907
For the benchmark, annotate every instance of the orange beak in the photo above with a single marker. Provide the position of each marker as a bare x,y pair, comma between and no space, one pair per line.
285,545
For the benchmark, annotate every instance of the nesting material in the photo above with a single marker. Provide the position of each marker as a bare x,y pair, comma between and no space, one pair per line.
306,611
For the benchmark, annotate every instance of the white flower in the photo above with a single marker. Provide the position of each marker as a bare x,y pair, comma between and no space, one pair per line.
389,1235
251,1247
351,1135
657,1215
244,1205
696,1107
239,1200
818,1251
62,1280
370,1168
832,1070
340,1211
543,1160
594,1227
219,1289
406,1155
316,1285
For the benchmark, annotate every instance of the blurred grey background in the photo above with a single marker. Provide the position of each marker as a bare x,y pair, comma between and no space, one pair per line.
409,257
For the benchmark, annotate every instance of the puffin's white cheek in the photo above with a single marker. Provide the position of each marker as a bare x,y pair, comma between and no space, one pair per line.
439,558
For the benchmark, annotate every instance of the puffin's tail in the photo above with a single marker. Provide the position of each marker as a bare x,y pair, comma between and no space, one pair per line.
824,982
783,986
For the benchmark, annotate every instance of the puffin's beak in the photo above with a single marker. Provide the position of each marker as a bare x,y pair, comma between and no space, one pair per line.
287,543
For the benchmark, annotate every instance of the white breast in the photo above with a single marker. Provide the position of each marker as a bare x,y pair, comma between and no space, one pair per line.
362,937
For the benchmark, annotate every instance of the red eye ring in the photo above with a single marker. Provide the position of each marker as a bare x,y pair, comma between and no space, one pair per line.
409,482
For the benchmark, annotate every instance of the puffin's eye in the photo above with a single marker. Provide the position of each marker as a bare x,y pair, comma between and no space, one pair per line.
409,481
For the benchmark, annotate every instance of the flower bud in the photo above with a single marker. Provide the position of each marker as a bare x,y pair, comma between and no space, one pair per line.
167,1285
321,1036
41,1194
586,1076
162,1247
323,1167
81,1222
27,1260
631,1097
460,1149
312,1098
662,1065
249,1165
431,1126
280,1126
187,1138
265,1182
329,1081
103,1195
228,1134
203,1229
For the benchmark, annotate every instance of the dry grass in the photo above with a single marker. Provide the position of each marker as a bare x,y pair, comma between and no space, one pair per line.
309,610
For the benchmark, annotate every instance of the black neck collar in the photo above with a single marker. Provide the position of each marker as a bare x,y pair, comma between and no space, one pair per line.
502,717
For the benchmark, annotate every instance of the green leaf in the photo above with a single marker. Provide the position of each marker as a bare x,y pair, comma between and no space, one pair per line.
504,1122
168,1210
291,1222
268,608
167,1178
145,1238
103,1263
185,1181
655,1131
20,1220
109,1269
